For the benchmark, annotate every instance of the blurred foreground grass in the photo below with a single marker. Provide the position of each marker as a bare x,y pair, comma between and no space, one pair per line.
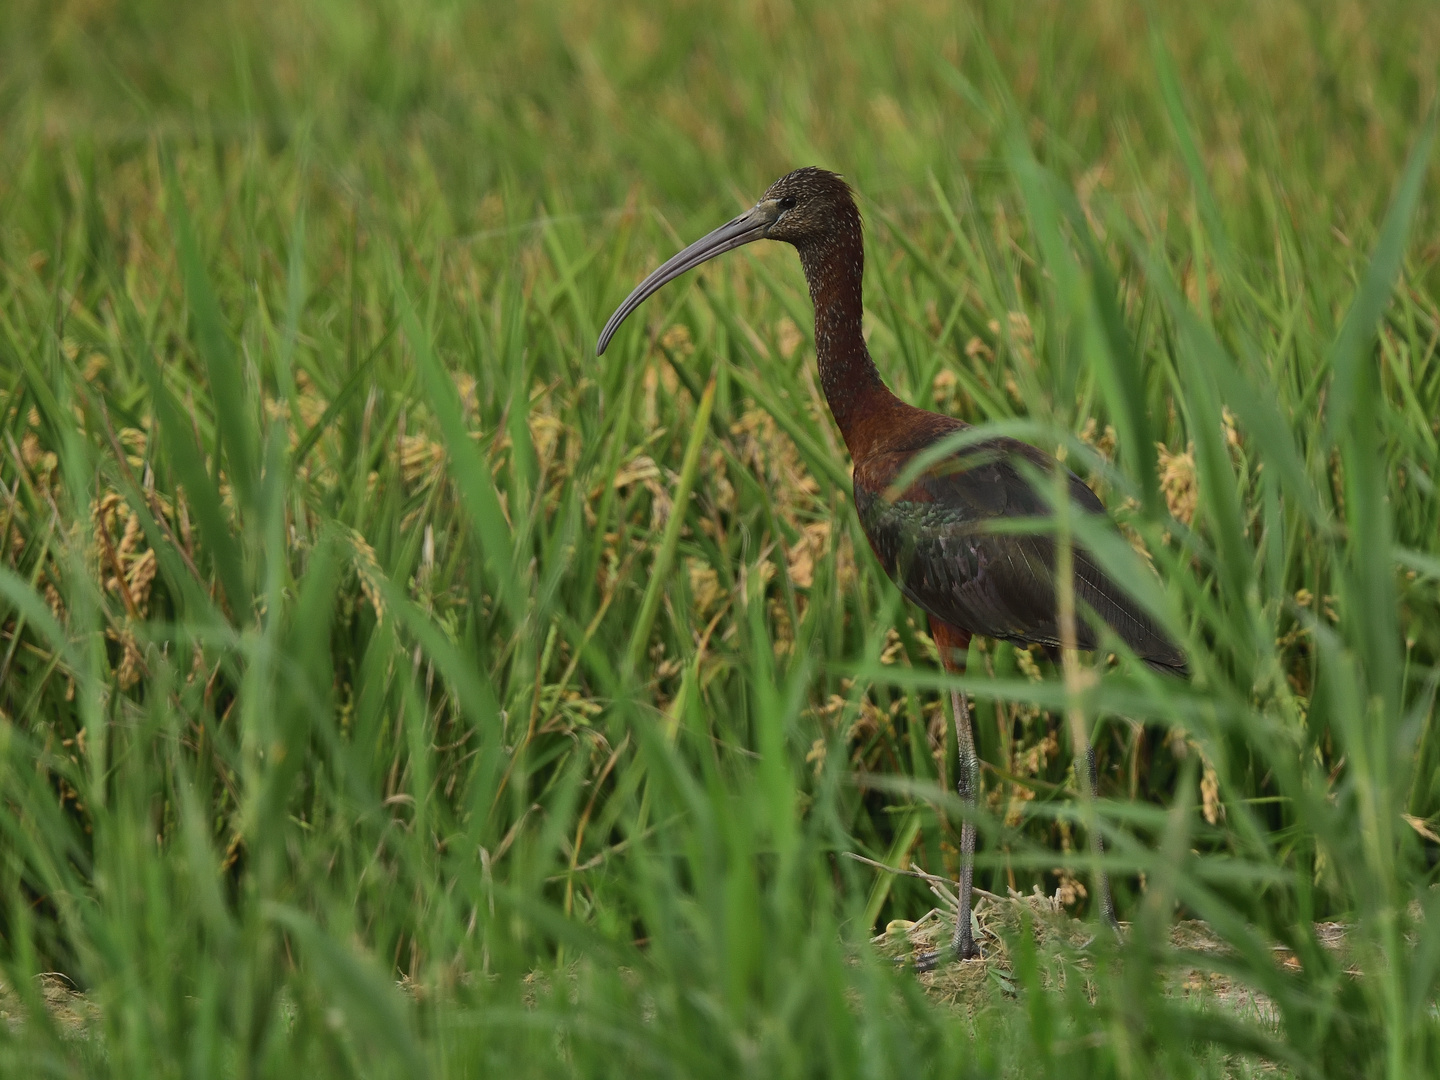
351,633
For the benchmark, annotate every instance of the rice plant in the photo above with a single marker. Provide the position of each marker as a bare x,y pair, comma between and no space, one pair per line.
390,687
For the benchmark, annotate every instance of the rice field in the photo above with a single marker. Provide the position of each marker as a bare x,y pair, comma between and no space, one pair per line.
391,687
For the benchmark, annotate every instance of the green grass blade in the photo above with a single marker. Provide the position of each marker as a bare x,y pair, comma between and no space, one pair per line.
235,413
469,468
188,461
1354,344
669,541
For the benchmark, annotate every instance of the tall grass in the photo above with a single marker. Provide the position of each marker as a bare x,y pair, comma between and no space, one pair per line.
390,687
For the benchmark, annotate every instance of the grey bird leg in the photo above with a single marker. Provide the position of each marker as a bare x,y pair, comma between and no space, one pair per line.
1102,882
952,644
968,784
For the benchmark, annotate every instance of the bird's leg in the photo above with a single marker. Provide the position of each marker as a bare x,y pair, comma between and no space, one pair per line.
1102,882
968,784
952,643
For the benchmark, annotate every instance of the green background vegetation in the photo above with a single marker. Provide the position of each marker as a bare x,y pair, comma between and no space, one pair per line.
390,687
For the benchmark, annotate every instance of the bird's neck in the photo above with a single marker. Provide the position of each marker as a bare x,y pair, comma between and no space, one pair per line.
858,398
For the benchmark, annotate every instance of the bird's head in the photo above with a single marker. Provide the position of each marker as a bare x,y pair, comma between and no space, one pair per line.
800,208
808,204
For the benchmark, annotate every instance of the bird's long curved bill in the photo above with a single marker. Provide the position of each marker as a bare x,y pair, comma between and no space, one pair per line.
751,225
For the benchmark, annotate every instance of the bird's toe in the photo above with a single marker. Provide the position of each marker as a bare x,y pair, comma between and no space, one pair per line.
928,960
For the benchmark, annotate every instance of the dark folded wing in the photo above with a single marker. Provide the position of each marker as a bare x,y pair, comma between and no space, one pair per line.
940,543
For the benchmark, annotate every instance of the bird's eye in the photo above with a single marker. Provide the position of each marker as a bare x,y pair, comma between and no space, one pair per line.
787,202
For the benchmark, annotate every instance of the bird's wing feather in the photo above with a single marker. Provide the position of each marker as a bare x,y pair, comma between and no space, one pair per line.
943,543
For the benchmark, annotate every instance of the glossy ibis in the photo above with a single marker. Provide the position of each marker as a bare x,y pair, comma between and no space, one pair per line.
941,537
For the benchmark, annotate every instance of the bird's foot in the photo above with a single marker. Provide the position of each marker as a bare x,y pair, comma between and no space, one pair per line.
933,958
1116,931
928,960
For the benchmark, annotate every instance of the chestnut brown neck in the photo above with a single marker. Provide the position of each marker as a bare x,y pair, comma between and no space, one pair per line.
861,403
